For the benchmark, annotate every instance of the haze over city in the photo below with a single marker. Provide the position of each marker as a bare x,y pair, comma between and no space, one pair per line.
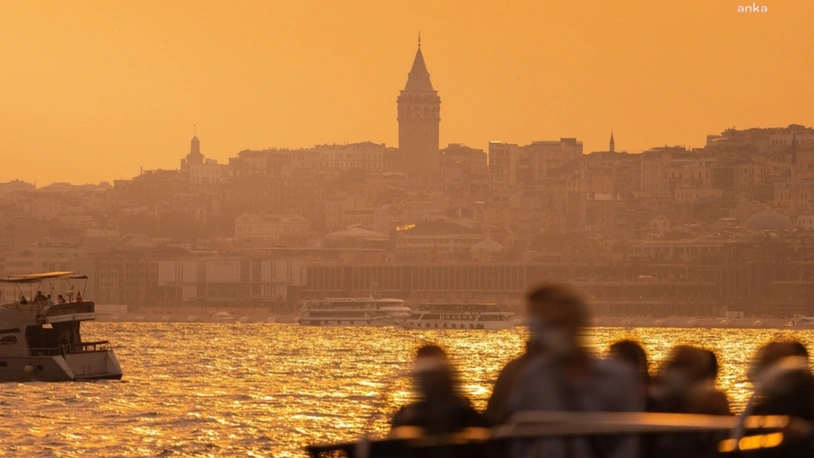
526,229
93,91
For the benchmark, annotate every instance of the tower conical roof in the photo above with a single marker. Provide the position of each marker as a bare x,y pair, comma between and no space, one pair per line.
419,77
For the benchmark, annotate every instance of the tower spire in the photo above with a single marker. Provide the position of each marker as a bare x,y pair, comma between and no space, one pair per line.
612,143
194,130
419,38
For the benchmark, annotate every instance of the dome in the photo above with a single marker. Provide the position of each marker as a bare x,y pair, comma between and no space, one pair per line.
768,221
486,246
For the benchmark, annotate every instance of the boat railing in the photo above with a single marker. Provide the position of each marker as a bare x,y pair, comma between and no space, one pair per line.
69,308
72,349
763,432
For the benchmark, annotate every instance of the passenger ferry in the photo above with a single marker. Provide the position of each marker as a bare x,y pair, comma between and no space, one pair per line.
353,311
40,337
801,322
460,316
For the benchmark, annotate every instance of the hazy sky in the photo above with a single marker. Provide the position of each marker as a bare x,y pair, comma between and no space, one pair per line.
90,91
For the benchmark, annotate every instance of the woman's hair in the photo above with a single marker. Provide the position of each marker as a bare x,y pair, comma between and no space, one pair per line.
632,352
713,364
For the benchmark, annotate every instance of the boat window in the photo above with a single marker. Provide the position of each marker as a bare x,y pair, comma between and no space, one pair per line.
3,364
8,340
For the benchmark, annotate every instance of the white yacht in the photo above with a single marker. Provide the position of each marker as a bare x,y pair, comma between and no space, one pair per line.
222,317
460,316
40,337
353,311
801,322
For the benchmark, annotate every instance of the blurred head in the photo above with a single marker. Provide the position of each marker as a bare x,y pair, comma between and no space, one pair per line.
630,352
772,353
799,348
432,373
712,364
556,316
685,368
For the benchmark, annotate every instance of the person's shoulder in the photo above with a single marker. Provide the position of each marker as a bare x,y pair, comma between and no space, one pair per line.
515,366
534,365
614,369
406,416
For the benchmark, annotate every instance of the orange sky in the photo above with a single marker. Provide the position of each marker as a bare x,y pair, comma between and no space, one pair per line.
92,90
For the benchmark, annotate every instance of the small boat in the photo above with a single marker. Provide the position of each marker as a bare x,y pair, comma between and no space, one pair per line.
41,340
222,317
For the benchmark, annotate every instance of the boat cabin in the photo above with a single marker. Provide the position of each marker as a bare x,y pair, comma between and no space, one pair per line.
42,326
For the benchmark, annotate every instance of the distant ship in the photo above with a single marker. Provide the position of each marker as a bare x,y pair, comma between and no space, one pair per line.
368,311
460,316
40,340
801,322
222,317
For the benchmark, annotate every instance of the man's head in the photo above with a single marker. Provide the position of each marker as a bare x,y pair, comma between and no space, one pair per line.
432,373
712,364
631,352
558,305
773,352
686,367
556,315
799,348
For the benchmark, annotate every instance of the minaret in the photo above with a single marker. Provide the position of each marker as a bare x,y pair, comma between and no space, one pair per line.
419,117
612,144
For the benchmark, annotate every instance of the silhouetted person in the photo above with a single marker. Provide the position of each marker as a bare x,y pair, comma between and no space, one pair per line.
497,408
799,349
712,365
23,300
440,409
784,385
78,297
685,384
564,376
632,353
60,299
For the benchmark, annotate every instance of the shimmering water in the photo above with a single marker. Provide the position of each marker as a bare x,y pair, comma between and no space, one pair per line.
270,389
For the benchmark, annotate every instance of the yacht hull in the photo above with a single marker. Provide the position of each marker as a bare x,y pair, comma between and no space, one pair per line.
81,366
340,322
435,324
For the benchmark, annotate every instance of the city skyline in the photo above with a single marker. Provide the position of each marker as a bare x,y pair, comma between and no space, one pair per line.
93,94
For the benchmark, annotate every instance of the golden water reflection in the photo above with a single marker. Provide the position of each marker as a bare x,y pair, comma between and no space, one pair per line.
270,389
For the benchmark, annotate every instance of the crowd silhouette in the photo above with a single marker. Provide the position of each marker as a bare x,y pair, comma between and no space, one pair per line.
558,373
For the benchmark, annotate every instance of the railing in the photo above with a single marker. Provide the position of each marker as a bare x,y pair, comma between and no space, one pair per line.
69,308
86,347
764,432
70,349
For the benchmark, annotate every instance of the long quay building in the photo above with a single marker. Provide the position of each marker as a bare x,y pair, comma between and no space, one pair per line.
689,292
